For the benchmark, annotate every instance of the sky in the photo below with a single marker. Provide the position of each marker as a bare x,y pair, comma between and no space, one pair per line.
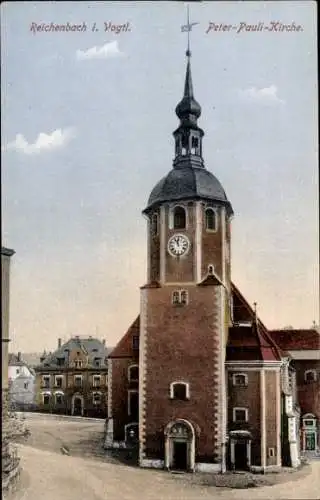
87,122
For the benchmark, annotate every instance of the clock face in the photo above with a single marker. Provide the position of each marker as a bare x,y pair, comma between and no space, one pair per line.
178,245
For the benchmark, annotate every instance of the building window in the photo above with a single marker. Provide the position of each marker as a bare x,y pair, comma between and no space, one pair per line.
17,371
310,376
78,363
194,145
180,297
97,362
26,385
78,380
211,269
133,404
133,373
58,381
154,224
240,379
179,218
240,414
309,423
46,381
60,361
96,380
211,219
96,398
46,399
135,342
179,390
59,398
309,420
271,452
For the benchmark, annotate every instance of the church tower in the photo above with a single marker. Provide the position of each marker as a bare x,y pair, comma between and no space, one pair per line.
185,305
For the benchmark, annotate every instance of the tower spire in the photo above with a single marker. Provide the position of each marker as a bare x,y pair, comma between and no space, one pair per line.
188,52
188,136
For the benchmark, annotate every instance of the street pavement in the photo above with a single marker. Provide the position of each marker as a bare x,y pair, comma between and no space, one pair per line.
87,472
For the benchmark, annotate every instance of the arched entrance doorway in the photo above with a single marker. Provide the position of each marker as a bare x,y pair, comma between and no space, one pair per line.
180,446
77,405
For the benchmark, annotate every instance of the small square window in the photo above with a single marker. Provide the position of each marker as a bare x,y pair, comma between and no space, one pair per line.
240,380
240,415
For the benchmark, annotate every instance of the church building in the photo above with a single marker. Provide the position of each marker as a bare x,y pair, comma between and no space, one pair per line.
198,383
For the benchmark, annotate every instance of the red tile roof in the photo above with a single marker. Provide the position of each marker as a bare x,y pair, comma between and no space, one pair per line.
124,348
291,340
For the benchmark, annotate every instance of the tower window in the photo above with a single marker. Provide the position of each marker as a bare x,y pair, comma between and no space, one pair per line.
154,224
194,145
180,297
211,269
179,390
211,220
179,218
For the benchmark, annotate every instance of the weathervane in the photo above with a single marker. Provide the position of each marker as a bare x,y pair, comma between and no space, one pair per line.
188,27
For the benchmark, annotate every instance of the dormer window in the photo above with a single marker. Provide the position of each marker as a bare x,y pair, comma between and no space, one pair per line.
180,298
179,218
211,219
154,224
179,390
78,363
310,376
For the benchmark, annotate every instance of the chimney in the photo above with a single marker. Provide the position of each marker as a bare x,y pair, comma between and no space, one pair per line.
19,356
59,343
104,342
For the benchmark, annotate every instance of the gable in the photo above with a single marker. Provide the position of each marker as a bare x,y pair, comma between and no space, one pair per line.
124,348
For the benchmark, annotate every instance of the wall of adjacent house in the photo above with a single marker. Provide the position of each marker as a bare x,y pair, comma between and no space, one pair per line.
5,294
22,392
15,371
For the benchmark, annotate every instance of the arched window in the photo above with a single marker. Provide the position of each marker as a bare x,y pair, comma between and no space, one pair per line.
154,224
179,390
310,376
179,218
133,373
194,145
211,222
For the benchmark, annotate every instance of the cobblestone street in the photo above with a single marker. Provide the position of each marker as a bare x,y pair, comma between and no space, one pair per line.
88,473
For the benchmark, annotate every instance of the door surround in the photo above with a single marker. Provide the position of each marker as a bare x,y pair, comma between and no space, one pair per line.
179,430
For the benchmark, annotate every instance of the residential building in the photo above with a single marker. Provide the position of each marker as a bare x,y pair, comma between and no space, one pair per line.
303,350
198,382
73,379
18,367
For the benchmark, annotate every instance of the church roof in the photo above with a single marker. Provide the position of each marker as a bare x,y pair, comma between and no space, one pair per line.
291,340
185,183
251,342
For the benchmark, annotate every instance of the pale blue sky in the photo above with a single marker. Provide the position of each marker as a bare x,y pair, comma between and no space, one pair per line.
72,211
